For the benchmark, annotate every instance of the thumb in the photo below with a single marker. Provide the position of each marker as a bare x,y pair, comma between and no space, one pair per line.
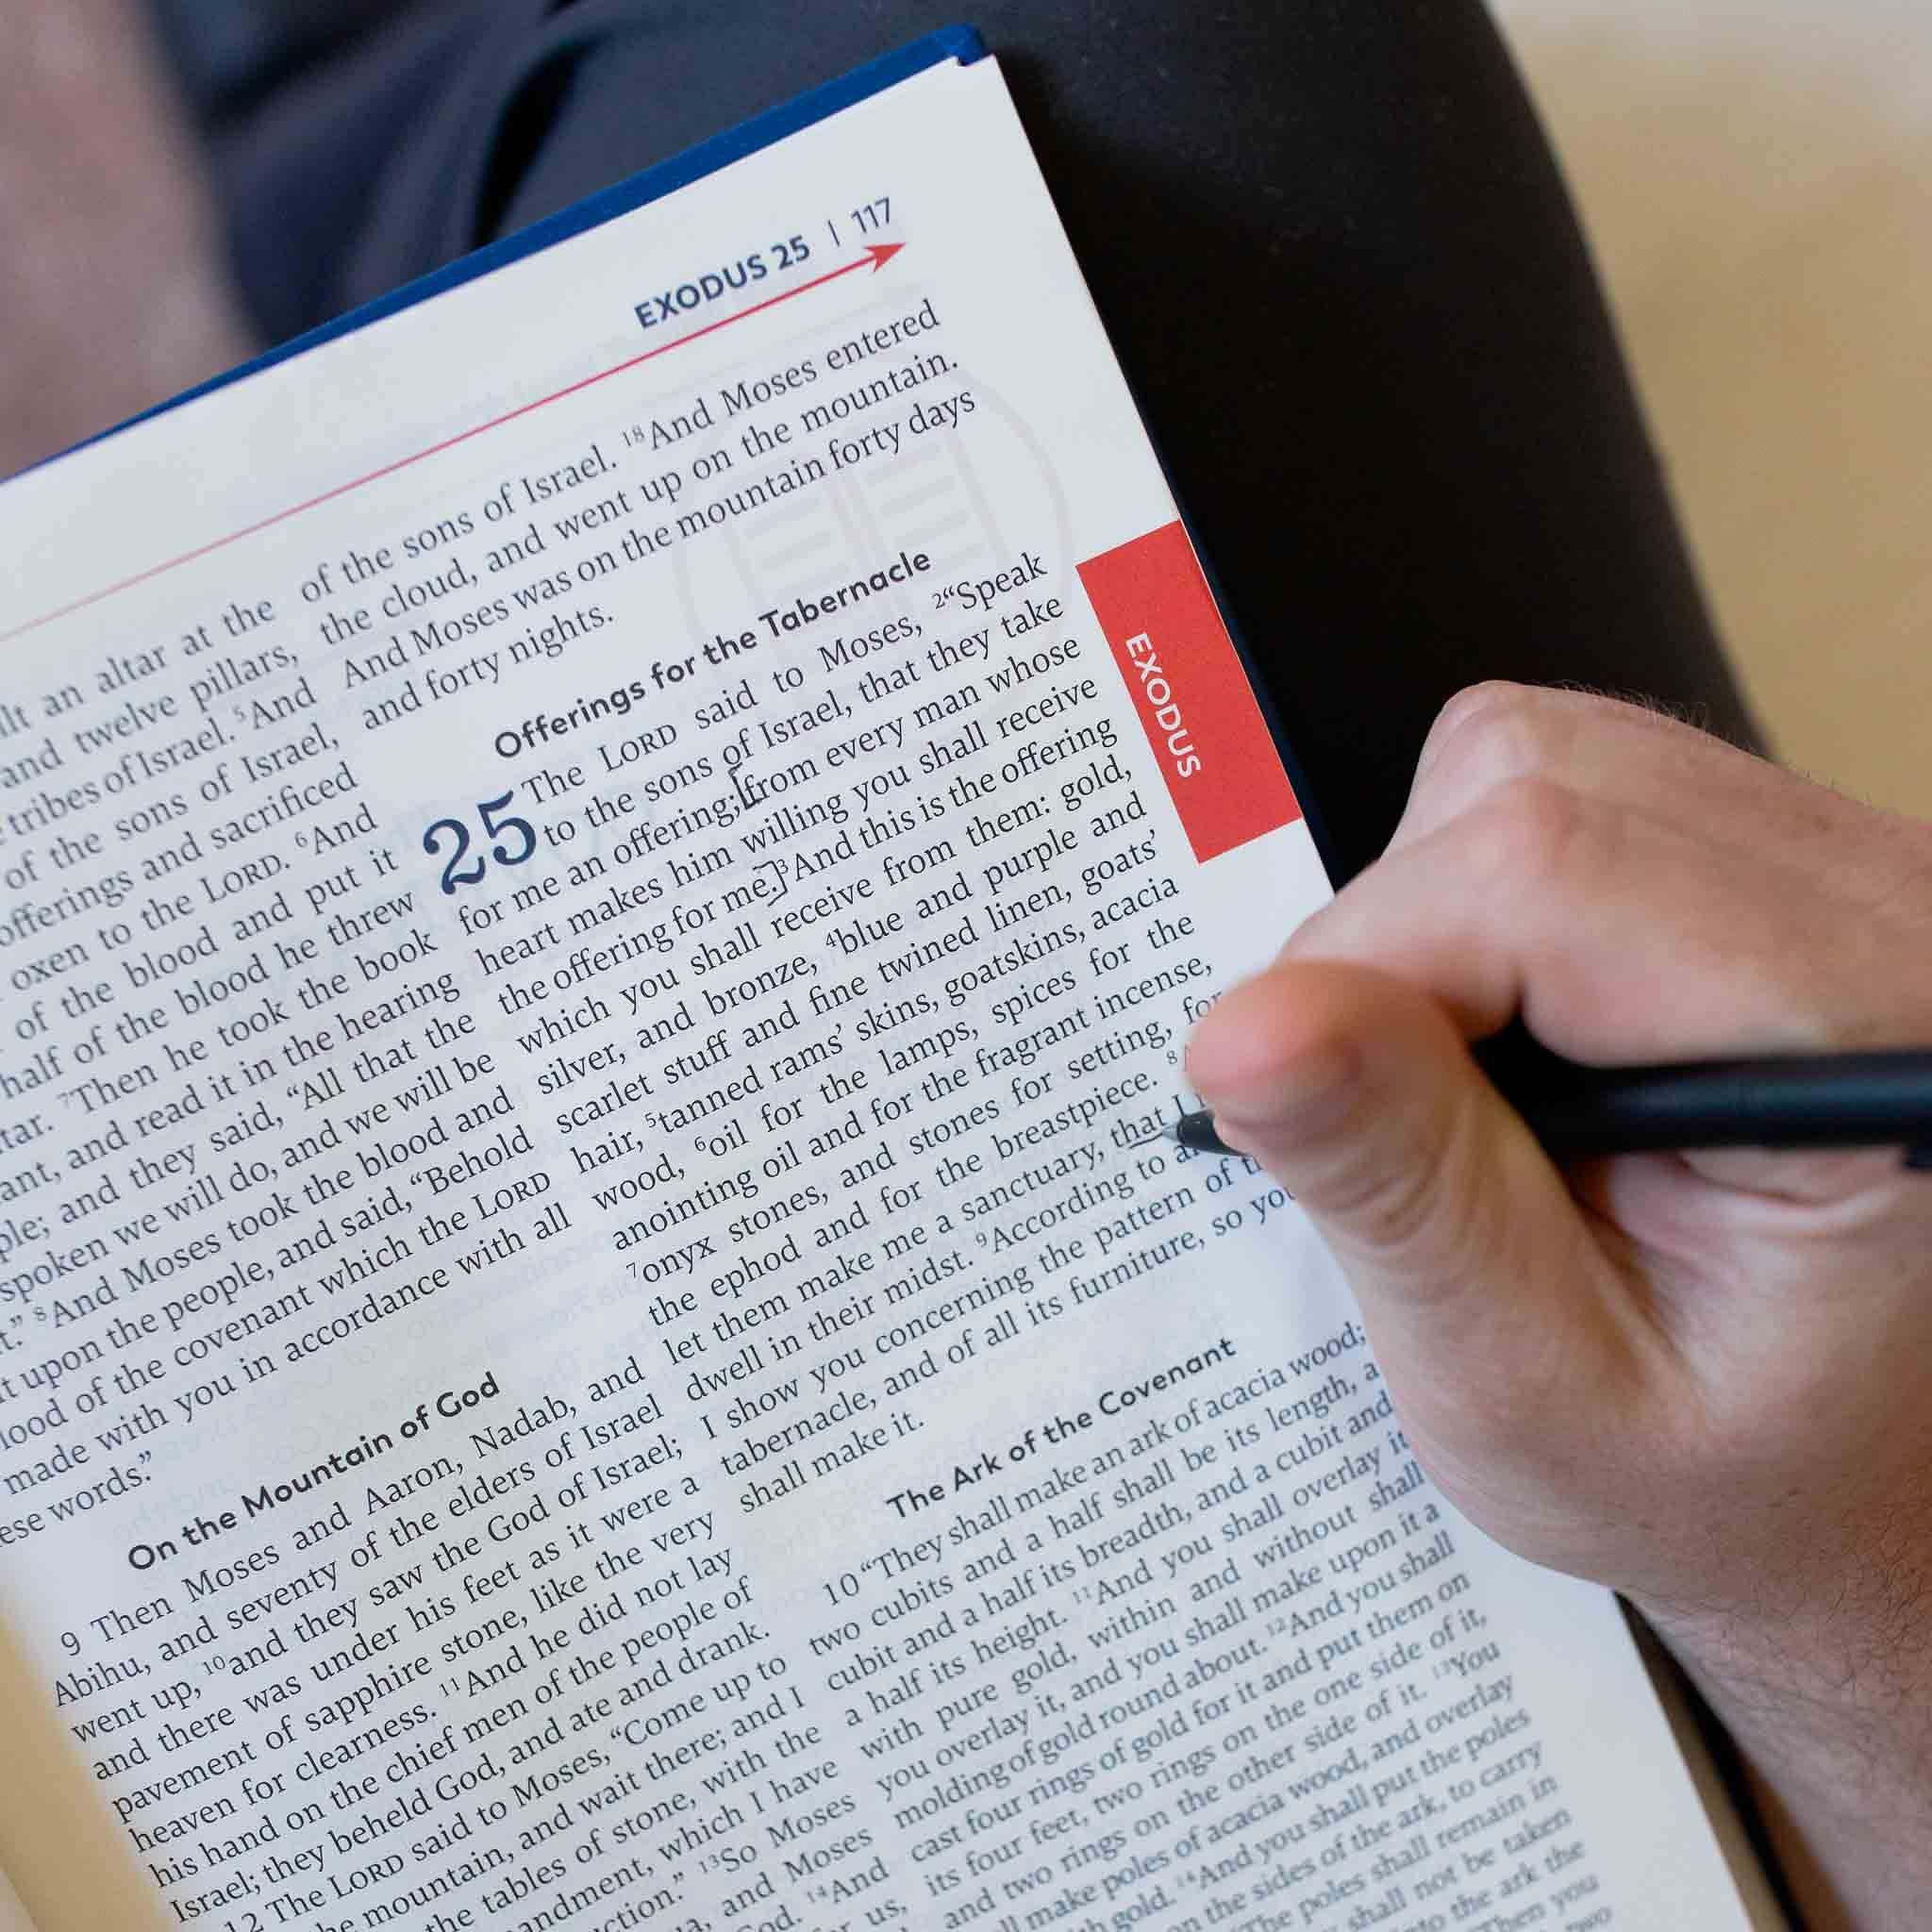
1484,1288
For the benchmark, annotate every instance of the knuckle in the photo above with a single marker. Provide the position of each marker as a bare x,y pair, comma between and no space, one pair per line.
1490,733
1472,703
1534,830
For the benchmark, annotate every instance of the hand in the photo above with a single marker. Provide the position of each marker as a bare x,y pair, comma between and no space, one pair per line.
1704,1379
116,297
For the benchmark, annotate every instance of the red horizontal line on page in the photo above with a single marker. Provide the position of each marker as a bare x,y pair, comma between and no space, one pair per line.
876,256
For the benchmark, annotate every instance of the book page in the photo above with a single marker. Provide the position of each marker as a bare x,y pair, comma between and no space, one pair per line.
605,882
13,1917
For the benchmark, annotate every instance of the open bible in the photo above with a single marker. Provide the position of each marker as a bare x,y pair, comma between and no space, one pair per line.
606,873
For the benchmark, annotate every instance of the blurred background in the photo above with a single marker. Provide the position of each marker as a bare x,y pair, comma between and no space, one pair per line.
1756,176
228,51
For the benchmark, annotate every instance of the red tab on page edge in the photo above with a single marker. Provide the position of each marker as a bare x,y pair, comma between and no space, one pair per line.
1189,690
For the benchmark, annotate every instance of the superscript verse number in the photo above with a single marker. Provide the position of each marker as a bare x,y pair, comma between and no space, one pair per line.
455,872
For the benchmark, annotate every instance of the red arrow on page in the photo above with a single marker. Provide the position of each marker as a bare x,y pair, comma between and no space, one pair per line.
876,256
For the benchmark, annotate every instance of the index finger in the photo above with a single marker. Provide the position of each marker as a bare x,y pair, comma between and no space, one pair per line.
1621,937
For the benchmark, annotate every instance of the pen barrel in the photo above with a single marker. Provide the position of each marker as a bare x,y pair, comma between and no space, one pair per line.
1838,1100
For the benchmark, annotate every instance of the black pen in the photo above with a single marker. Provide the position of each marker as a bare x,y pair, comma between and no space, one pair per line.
1815,1100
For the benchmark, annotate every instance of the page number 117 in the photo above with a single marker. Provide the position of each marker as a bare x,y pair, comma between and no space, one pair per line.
869,218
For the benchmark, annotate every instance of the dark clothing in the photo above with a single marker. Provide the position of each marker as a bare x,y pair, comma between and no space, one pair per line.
1328,239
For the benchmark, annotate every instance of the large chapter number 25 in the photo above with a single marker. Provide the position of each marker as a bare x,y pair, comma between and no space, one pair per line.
494,826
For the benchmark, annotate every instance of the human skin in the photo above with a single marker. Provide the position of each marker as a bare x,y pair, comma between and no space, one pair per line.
114,296
1703,1378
